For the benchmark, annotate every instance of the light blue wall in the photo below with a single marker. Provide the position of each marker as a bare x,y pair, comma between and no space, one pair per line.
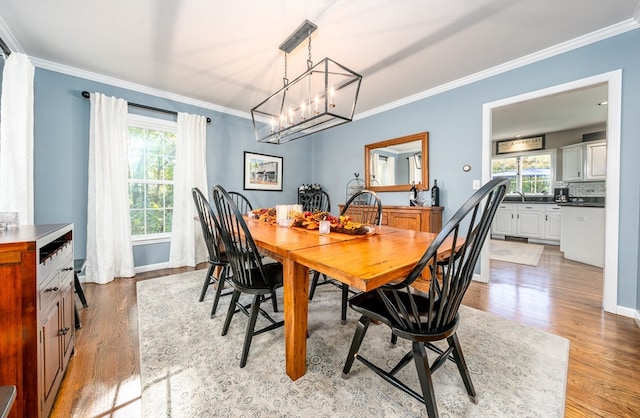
62,147
454,122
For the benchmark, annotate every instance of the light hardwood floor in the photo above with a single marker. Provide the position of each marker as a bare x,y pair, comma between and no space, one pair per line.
558,296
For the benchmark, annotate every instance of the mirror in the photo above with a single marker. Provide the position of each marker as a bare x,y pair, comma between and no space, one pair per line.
395,164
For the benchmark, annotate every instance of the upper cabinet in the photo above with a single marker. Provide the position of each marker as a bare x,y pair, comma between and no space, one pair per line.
586,161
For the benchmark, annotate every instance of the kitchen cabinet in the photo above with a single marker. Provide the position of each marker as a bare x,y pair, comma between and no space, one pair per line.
596,160
572,162
586,161
552,223
582,234
505,220
418,218
536,221
529,220
37,331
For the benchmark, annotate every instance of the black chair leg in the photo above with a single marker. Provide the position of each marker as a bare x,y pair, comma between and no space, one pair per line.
219,287
274,301
462,366
358,337
251,325
77,317
314,284
207,282
345,298
79,291
424,375
232,309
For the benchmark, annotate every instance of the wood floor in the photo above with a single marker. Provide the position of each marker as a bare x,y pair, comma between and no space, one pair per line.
559,296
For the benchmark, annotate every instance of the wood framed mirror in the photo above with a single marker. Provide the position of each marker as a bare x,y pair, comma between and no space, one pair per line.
395,164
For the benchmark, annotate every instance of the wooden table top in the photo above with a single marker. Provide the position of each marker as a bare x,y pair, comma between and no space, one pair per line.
371,261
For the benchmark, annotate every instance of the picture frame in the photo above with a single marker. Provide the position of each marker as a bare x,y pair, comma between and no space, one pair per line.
262,172
529,143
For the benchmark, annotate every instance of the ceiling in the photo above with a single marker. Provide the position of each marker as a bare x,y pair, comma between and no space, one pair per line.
225,53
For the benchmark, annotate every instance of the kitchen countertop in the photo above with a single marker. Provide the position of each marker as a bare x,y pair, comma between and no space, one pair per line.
589,202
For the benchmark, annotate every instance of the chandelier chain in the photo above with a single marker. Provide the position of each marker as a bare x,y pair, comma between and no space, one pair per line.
309,62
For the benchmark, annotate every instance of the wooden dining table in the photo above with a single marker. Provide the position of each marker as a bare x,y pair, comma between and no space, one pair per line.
364,262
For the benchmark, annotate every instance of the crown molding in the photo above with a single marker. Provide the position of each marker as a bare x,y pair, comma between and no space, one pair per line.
613,30
558,49
64,69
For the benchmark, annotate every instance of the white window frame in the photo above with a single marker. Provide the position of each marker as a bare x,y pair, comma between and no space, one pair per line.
160,125
552,171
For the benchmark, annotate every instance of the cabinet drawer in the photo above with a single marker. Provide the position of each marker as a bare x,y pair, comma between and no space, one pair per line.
50,291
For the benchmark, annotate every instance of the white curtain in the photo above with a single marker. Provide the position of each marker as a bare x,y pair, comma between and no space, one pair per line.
415,173
16,138
187,245
109,251
373,166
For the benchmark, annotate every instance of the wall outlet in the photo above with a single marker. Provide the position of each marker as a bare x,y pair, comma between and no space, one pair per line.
476,184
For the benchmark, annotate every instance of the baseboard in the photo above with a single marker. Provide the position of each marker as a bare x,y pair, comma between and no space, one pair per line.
151,267
637,318
630,312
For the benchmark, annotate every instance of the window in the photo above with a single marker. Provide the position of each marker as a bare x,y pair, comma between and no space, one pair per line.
530,173
152,152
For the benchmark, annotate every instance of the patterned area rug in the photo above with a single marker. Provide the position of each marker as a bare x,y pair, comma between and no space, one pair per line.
515,252
189,370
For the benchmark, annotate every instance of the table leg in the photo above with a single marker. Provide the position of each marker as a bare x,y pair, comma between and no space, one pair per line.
296,308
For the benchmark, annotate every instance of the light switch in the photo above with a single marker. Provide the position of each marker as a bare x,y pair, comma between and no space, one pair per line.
476,184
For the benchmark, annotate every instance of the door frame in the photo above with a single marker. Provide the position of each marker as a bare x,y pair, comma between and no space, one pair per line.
613,80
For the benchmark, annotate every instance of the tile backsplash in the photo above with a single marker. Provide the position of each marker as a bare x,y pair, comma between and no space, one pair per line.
584,188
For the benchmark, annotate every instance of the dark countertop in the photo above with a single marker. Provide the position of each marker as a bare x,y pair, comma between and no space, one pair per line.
589,202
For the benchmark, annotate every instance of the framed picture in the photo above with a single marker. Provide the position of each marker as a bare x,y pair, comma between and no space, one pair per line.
262,172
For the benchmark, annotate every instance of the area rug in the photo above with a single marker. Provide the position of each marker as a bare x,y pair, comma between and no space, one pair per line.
515,252
189,370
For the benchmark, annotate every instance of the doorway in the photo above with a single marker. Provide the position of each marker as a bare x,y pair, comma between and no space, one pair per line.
613,80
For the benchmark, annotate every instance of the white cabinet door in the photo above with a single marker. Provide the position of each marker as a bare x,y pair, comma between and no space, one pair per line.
529,221
596,160
504,221
572,163
583,234
552,222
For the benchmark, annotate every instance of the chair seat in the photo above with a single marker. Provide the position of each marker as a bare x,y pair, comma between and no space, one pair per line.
372,305
258,287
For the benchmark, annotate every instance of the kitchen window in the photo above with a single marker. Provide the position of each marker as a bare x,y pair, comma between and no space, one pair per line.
531,173
152,151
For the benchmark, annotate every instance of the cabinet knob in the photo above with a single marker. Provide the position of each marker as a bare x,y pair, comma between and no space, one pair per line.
64,331
52,289
67,269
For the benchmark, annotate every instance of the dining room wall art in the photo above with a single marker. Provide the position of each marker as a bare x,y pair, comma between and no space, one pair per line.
262,172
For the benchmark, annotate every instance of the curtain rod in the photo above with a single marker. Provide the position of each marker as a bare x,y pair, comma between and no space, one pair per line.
87,95
5,49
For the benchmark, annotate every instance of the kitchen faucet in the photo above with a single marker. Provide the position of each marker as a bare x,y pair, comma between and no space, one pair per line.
521,194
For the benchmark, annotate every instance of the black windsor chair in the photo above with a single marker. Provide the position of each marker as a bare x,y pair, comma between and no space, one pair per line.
423,318
365,207
241,201
250,275
217,257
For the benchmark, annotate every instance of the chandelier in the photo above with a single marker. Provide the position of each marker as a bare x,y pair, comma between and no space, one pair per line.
322,97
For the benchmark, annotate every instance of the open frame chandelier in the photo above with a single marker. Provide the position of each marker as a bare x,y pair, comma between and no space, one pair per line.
322,97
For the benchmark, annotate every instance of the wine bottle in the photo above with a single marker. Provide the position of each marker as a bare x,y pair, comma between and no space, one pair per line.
435,194
413,193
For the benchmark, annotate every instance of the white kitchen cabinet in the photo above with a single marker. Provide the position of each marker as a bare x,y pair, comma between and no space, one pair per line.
529,220
504,222
596,160
582,236
586,161
538,222
552,223
572,162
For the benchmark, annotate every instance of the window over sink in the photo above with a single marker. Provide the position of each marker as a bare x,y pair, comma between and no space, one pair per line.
531,173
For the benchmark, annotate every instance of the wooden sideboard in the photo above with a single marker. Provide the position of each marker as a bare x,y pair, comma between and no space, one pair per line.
37,304
419,218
